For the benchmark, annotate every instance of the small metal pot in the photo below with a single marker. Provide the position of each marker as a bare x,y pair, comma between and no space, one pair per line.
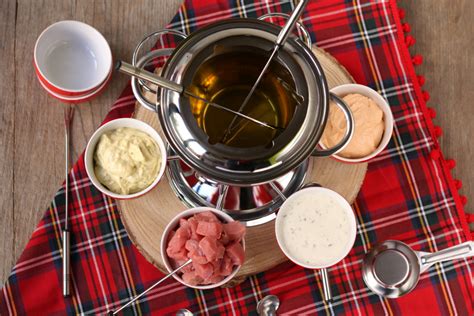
244,166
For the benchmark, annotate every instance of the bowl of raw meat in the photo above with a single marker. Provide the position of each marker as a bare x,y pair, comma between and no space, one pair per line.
214,242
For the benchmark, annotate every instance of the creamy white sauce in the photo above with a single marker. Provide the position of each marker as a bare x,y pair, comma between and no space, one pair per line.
315,228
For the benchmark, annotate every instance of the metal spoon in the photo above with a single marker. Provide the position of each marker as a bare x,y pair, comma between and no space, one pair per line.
150,288
131,70
184,312
392,269
268,305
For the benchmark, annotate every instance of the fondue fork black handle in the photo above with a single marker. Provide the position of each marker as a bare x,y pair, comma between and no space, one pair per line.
173,86
66,235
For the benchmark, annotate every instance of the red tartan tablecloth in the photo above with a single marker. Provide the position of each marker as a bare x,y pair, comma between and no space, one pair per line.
408,194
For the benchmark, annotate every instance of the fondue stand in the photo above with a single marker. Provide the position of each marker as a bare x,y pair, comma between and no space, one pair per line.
145,218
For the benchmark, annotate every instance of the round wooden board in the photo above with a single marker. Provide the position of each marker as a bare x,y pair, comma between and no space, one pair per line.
145,218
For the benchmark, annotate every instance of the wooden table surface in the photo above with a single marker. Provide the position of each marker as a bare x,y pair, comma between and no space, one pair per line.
31,126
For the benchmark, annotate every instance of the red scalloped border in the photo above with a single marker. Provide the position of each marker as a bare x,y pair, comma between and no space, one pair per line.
434,130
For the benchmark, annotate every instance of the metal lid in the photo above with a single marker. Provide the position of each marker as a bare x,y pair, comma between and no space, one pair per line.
253,165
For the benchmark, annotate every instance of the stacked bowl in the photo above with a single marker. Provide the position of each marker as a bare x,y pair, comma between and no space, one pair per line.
73,61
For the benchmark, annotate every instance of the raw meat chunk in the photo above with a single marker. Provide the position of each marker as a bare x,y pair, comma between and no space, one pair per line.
207,217
193,224
211,248
192,278
178,263
178,240
170,236
188,268
192,245
185,224
213,279
236,253
235,231
194,252
211,229
201,259
226,266
203,270
224,238
181,254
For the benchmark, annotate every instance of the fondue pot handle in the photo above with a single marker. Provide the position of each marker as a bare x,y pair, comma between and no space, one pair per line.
152,35
349,131
299,25
138,88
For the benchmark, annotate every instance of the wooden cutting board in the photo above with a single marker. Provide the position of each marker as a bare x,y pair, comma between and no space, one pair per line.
145,218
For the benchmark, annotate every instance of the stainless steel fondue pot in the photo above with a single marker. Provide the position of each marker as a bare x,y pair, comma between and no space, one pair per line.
243,166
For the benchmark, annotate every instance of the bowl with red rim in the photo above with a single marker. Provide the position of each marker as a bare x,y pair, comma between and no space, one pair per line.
72,58
173,225
110,126
76,99
353,88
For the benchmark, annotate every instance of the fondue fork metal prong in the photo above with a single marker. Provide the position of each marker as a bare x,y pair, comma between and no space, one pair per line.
131,70
277,190
150,288
217,106
222,195
281,39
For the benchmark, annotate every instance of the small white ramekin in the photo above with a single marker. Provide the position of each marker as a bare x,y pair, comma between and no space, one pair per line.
225,218
64,52
349,243
123,122
346,89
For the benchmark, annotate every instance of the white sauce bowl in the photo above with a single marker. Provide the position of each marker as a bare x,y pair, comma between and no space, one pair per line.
349,243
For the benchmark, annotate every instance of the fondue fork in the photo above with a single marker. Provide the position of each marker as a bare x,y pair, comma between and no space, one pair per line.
280,41
150,288
68,116
173,86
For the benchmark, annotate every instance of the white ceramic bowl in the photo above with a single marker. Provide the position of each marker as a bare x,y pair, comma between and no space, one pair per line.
173,224
72,57
350,213
124,122
346,89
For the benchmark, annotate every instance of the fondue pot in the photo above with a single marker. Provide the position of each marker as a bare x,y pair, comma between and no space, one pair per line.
240,165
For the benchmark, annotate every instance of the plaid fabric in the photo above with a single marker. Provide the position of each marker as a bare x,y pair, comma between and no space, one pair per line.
408,195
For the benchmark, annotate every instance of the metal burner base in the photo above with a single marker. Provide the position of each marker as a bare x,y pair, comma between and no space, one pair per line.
252,205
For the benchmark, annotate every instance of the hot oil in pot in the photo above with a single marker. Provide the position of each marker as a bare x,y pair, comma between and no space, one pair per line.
226,78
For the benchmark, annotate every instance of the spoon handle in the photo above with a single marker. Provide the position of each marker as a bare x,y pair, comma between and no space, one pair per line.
326,286
464,250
